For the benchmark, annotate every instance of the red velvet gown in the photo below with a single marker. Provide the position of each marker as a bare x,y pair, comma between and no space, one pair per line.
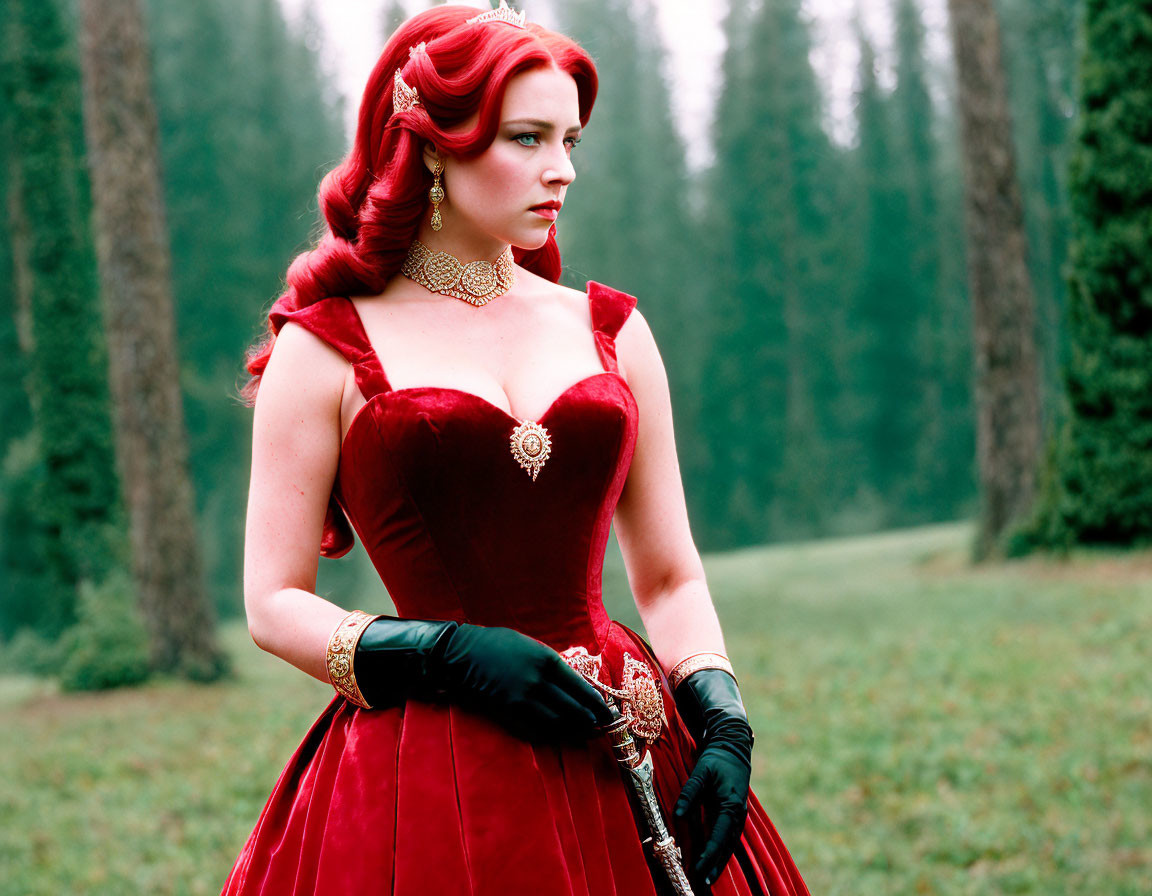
433,800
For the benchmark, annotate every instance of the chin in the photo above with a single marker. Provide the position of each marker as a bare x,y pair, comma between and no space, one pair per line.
531,241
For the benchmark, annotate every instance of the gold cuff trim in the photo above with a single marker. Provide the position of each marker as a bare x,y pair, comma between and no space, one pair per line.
695,663
341,650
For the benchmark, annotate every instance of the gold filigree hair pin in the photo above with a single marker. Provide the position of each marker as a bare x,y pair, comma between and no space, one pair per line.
403,96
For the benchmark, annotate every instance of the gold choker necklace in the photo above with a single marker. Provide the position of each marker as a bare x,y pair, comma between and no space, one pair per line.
477,282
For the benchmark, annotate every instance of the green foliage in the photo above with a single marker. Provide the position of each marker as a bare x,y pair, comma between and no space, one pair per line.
30,653
108,646
31,597
69,493
890,303
1105,460
15,410
775,297
939,482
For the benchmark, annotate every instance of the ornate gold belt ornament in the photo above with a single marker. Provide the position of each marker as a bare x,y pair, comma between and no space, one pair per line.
638,694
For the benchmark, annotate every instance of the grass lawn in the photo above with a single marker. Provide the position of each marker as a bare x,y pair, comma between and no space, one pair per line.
922,726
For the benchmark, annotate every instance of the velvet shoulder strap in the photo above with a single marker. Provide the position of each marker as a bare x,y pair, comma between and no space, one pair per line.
609,308
335,321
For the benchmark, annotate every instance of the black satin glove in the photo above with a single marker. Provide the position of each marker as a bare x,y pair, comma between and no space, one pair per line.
709,702
516,680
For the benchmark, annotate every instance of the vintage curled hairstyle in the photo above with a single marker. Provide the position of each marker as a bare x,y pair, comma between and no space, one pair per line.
374,200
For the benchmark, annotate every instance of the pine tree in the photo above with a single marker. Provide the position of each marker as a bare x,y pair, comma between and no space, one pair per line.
889,303
61,513
941,478
1104,461
776,308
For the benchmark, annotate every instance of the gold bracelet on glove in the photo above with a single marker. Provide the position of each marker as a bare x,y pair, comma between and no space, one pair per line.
342,650
695,663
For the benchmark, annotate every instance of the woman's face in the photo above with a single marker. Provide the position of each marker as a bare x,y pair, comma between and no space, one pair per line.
495,198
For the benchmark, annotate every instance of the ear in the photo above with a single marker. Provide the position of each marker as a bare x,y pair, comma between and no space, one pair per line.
431,155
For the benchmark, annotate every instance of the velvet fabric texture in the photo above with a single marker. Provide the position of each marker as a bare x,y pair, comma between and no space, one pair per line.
430,798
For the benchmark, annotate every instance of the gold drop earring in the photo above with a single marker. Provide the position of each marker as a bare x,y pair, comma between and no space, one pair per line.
436,194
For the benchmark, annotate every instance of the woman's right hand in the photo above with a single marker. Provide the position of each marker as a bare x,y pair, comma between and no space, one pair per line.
520,682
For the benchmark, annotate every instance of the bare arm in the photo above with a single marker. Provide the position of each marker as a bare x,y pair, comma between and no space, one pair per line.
664,568
295,451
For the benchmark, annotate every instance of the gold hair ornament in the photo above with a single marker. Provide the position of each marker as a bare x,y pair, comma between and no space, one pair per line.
403,96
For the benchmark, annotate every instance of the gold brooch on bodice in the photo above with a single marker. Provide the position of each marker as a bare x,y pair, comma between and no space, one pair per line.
638,694
531,445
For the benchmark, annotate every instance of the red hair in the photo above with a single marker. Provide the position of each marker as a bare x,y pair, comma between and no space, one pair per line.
374,200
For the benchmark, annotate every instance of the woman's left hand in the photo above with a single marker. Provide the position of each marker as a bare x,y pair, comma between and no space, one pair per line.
709,702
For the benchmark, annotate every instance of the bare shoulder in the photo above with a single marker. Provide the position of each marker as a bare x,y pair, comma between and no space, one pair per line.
636,349
303,367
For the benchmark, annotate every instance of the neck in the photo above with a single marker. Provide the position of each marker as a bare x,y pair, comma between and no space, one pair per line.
463,247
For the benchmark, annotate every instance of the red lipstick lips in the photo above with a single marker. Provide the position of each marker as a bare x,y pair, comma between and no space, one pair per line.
548,209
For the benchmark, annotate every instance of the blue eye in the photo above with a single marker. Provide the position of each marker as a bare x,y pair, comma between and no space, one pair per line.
572,141
521,137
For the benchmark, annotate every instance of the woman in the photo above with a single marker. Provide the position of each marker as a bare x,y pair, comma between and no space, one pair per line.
481,427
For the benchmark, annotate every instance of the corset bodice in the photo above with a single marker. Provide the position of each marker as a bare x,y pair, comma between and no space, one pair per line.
454,524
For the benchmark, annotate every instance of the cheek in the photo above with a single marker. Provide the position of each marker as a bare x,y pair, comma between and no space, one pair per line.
499,177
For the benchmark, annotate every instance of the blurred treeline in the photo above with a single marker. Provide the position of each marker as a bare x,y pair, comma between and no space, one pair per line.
809,298
248,123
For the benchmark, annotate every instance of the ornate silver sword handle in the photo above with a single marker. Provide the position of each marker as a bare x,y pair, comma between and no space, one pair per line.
639,773
640,695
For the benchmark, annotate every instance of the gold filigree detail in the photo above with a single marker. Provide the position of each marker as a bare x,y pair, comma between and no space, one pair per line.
531,446
403,96
477,282
638,695
695,663
342,650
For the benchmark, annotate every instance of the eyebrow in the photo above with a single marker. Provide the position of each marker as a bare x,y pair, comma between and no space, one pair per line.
542,125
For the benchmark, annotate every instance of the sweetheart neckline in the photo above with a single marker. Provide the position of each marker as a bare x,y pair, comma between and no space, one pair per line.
481,399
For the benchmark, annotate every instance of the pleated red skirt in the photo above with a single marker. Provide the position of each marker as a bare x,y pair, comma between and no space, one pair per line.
434,799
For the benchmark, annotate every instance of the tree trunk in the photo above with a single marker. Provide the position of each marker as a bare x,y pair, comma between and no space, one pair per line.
133,252
1007,384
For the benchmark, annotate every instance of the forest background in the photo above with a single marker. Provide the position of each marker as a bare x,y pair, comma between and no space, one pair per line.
809,295
930,724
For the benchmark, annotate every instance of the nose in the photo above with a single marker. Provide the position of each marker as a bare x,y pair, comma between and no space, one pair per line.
560,170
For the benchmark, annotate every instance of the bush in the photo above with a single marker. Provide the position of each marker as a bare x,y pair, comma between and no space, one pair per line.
30,653
108,646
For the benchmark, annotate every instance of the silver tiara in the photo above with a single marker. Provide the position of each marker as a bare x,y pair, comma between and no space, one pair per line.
503,13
